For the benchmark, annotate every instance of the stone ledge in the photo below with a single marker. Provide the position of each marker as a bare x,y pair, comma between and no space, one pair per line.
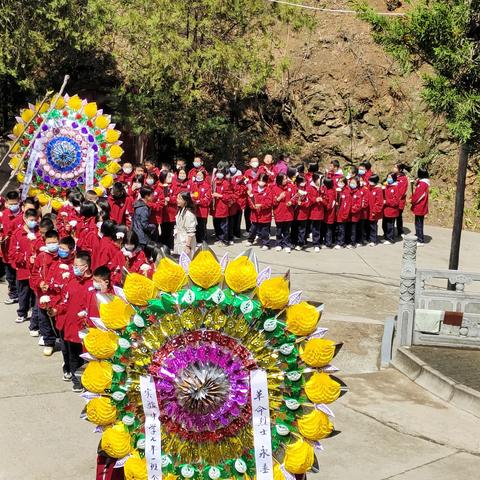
435,382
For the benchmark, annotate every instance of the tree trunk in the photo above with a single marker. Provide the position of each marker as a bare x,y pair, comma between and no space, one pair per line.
463,152
140,147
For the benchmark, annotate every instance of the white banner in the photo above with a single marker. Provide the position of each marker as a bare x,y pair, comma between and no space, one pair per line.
89,170
262,439
32,160
153,433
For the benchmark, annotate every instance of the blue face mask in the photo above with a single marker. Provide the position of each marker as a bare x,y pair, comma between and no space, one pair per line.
361,172
14,208
389,181
78,271
63,253
353,186
31,224
52,247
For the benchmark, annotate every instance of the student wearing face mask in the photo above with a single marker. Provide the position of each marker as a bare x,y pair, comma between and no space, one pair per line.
235,210
126,175
267,168
283,211
197,168
201,194
169,209
251,176
69,214
137,183
365,171
402,184
20,255
9,218
330,202
261,202
391,207
87,234
108,250
222,196
120,204
355,211
375,209
419,202
133,257
344,205
302,212
102,284
316,193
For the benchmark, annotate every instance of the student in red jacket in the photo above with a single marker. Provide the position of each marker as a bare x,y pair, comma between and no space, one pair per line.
283,211
222,196
335,172
261,200
344,206
267,168
120,204
150,167
87,232
355,211
251,174
302,212
316,193
419,202
201,193
365,170
133,257
330,203
21,256
165,180
402,184
234,175
73,310
391,207
375,208
107,251
126,175
102,283
69,214
363,229
198,167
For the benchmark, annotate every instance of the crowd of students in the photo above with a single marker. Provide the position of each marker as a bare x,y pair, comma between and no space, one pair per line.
56,263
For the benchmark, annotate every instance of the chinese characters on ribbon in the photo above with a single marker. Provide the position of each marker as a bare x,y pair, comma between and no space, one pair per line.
262,439
153,434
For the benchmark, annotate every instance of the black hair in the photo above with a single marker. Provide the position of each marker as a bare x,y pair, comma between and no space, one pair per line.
32,201
46,223
354,170
145,192
108,228
50,216
152,250
335,163
131,238
154,176
328,182
315,177
51,234
291,172
31,212
263,178
85,256
119,229
75,198
88,209
118,191
104,205
163,176
313,167
102,272
69,242
139,179
422,173
366,164
374,179
299,180
402,167
393,175
188,201
91,192
150,160
182,170
300,168
12,195
279,179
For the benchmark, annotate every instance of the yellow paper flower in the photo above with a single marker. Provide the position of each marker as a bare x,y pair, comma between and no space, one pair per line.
139,289
315,425
97,377
60,103
27,114
135,468
318,352
100,344
170,476
113,168
277,473
116,151
320,388
204,270
169,276
101,411
302,319
56,204
107,181
20,177
99,190
102,122
112,135
41,109
33,192
90,109
116,441
241,275
14,162
43,198
299,457
116,314
16,148
18,129
75,102
273,293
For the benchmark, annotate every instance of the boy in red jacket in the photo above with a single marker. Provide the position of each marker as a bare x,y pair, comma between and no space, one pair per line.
316,194
420,203
391,208
261,201
198,167
330,203
356,211
126,175
267,167
222,194
121,206
302,212
87,231
235,210
375,208
344,207
201,193
69,214
402,180
283,211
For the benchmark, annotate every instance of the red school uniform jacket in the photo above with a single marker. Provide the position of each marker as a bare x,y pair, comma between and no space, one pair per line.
60,272
375,203
75,296
39,271
193,173
240,189
121,209
252,175
402,186
87,237
125,178
420,197
107,254
157,205
302,204
268,170
365,192
317,207
137,263
8,223
221,206
67,220
281,211
356,207
344,205
21,251
170,208
263,198
392,201
330,203
201,193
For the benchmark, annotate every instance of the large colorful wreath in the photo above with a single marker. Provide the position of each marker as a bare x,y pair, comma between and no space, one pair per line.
197,331
71,144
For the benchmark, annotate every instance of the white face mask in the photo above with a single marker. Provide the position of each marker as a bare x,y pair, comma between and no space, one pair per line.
220,176
197,164
127,170
150,181
233,170
199,179
254,164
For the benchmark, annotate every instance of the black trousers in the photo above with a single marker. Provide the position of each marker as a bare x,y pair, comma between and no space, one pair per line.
354,227
260,230
362,230
11,276
26,299
389,229
220,226
73,351
2,268
301,233
329,234
283,234
45,327
400,224
201,232
166,237
373,231
341,231
419,221
35,318
316,227
246,214
234,222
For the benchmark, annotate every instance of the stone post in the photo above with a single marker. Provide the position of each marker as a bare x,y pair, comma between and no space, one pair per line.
406,304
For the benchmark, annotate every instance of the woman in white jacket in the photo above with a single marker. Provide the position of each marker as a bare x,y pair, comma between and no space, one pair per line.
185,225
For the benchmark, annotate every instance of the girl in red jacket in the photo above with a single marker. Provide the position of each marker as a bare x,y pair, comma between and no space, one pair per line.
222,196
170,208
108,250
69,215
121,207
201,193
87,231
356,211
391,207
330,203
302,212
261,201
133,257
402,180
239,195
344,206
375,208
267,168
283,211
316,193
420,203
